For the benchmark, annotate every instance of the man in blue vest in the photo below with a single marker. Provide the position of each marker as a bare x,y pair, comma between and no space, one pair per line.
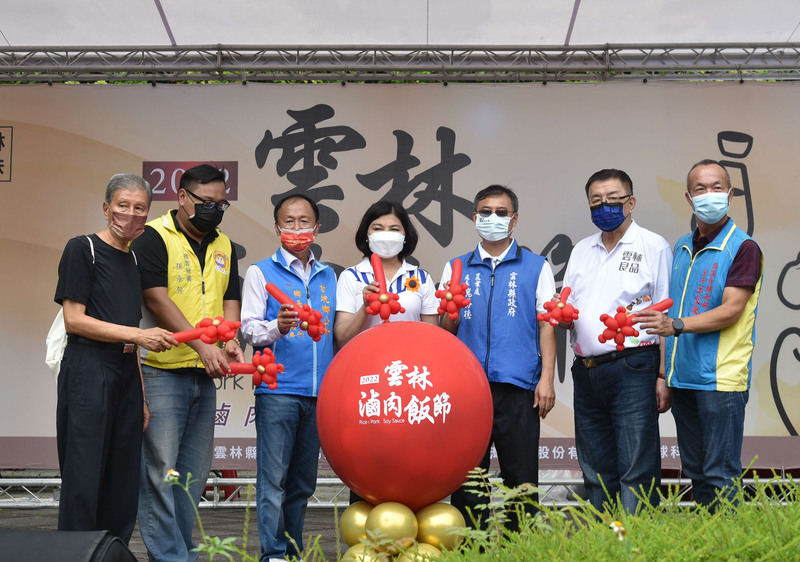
508,286
286,418
716,281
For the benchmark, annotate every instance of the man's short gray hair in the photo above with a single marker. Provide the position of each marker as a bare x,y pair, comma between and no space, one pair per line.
707,162
130,182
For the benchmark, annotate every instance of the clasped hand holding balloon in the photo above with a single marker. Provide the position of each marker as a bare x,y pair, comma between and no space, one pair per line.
382,302
558,311
620,325
453,296
293,315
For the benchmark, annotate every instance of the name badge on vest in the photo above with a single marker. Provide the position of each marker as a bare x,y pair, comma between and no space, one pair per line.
222,263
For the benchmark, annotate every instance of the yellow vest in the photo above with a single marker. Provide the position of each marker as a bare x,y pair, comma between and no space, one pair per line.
198,295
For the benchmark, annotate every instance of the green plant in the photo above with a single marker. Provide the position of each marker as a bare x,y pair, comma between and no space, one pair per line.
761,522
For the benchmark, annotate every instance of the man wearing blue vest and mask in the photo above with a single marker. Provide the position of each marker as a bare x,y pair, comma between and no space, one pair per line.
618,394
286,418
507,285
716,281
189,272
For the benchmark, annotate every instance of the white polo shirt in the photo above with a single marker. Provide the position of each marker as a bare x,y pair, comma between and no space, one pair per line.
635,274
417,296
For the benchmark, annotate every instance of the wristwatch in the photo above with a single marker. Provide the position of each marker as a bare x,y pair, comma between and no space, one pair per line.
677,325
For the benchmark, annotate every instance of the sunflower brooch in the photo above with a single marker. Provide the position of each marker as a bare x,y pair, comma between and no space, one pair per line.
412,284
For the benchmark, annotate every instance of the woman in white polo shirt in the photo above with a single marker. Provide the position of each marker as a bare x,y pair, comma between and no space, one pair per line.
385,230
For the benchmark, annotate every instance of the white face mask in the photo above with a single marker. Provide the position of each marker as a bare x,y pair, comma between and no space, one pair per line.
492,228
386,244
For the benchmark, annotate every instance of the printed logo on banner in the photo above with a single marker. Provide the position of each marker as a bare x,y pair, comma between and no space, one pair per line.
418,408
6,140
165,177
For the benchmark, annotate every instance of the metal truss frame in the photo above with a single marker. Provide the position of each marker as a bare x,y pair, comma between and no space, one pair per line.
415,63
27,493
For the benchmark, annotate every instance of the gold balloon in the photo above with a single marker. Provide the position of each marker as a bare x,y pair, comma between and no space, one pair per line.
421,552
437,523
361,553
353,522
394,521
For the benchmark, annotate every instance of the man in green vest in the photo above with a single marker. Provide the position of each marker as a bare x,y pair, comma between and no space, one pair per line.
189,272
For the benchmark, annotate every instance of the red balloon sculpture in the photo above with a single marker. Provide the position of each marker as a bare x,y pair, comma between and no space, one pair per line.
310,319
383,302
404,413
263,368
557,312
620,326
454,297
210,330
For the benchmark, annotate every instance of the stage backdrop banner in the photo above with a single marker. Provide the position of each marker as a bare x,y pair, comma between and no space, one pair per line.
428,146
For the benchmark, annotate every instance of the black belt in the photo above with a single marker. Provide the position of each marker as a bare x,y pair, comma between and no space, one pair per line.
107,345
591,362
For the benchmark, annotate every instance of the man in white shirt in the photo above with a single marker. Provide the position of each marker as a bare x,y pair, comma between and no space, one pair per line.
617,394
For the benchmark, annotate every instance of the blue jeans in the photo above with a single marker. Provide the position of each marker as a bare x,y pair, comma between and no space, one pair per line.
287,457
181,437
710,426
616,429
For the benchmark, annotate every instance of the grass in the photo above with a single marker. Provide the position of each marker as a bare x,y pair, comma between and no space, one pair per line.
760,523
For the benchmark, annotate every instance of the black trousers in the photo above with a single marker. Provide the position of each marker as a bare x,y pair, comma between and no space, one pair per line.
515,434
99,426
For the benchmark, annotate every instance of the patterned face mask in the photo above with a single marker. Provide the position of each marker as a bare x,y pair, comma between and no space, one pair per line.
297,240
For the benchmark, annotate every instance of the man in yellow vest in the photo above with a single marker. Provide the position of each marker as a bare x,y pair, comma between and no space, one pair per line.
189,272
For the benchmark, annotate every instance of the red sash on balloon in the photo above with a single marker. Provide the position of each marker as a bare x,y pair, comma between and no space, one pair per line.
557,312
383,302
263,368
210,331
454,297
620,325
310,319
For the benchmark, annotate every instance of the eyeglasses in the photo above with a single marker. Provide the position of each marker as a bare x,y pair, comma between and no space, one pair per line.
594,203
209,203
498,212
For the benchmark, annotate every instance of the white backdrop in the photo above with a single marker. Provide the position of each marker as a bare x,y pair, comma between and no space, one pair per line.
432,147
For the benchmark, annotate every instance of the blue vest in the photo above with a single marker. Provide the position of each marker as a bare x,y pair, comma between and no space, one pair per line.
304,359
500,325
718,360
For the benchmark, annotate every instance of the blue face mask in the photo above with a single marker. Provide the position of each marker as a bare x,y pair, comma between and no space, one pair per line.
608,217
710,207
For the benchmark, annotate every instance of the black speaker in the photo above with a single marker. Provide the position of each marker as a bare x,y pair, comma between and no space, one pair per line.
75,546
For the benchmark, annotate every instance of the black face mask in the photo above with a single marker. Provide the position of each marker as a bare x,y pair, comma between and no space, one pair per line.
205,220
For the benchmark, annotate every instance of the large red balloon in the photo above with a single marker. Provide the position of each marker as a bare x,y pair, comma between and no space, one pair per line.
404,413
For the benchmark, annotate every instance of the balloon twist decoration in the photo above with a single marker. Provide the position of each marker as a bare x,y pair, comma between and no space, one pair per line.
620,326
210,330
557,312
454,297
383,302
263,368
310,319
